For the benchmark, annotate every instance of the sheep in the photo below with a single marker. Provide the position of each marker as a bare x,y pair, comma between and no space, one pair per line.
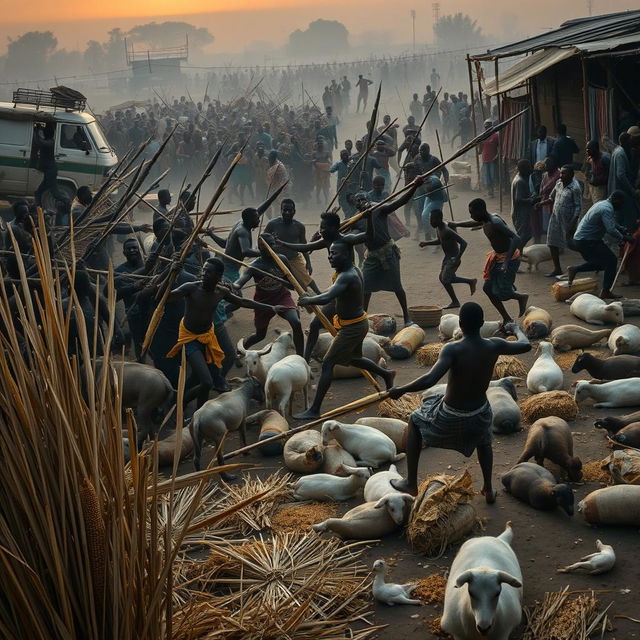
379,484
395,429
326,487
613,368
304,452
371,348
259,362
595,310
573,336
595,563
488,329
624,339
167,447
545,374
369,446
504,407
336,459
617,393
371,520
285,377
534,254
227,412
389,593
491,606
613,424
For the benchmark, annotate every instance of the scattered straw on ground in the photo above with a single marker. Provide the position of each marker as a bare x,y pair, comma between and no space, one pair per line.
566,359
592,471
300,517
402,408
431,589
426,356
433,625
551,403
509,366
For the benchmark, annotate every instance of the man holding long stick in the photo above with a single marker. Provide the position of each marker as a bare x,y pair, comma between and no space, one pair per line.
350,320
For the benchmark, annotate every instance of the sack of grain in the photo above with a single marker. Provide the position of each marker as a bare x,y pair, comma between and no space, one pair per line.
405,342
550,403
562,291
624,466
442,513
382,324
619,504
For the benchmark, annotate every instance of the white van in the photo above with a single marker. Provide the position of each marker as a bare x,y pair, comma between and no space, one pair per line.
82,153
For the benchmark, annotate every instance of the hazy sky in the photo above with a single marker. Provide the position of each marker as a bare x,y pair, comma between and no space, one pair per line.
76,21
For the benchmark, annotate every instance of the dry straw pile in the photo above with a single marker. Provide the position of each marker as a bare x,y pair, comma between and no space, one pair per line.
509,366
595,471
300,517
402,408
550,403
431,589
426,356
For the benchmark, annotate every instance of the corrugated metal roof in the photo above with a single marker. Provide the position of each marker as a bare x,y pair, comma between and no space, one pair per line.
527,68
611,27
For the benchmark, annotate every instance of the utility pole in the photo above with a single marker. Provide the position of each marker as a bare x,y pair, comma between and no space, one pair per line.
413,19
435,6
590,7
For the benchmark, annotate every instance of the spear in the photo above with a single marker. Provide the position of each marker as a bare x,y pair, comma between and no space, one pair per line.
372,125
222,254
326,323
186,247
444,177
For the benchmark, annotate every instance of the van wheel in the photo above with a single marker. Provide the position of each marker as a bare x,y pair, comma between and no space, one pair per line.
49,202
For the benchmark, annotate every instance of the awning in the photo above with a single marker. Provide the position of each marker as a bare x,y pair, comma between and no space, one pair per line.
531,66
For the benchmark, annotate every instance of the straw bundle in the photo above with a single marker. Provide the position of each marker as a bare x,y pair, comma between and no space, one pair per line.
431,589
596,471
566,359
442,513
402,408
433,625
564,615
550,403
428,355
509,366
300,517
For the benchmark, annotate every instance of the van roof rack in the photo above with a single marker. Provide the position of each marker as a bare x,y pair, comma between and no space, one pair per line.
56,97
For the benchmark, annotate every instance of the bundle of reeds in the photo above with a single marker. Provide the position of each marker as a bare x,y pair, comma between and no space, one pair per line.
402,408
507,366
550,403
426,356
565,615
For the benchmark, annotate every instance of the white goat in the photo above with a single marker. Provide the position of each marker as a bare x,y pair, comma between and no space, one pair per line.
258,362
286,377
491,606
325,487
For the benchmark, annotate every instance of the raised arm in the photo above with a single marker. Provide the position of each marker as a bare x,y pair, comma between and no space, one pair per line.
183,291
338,287
507,348
426,381
245,302
304,248
466,224
400,200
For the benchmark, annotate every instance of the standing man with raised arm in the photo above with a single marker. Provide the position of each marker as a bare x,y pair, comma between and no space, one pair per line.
363,92
503,260
461,418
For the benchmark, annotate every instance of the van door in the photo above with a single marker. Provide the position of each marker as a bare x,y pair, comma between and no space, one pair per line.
75,154
15,151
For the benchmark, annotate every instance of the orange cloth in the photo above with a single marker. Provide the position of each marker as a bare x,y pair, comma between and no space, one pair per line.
338,323
496,258
212,351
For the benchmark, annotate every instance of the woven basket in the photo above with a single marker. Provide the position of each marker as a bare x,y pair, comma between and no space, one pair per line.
426,316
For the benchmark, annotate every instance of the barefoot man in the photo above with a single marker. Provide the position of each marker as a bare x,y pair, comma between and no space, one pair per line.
461,419
453,247
502,262
350,320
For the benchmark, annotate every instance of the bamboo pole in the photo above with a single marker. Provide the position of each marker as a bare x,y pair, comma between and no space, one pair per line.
473,115
222,254
372,126
446,181
621,267
326,323
356,405
500,163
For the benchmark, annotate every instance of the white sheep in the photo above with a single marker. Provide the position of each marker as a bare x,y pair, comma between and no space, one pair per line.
326,487
371,520
616,393
379,484
285,378
624,339
369,446
389,593
491,605
595,563
595,310
545,374
258,362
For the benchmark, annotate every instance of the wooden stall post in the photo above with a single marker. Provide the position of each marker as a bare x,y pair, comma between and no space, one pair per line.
500,164
473,115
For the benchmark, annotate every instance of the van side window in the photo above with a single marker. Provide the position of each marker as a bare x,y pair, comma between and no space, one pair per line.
74,137
15,132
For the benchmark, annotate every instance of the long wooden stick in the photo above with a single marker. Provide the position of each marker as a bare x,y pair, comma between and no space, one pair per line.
222,254
444,178
621,267
326,323
372,126
362,403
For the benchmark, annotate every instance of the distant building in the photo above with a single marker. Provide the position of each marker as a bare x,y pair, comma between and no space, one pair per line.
156,66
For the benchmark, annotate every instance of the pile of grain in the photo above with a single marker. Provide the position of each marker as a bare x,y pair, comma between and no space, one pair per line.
551,403
426,356
566,359
433,625
593,471
509,366
300,517
431,589
402,408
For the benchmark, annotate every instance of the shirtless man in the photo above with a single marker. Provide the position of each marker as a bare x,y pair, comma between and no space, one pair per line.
461,419
292,231
453,247
196,327
363,92
502,262
329,233
351,321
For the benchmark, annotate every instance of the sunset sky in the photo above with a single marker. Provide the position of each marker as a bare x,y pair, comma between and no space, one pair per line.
237,23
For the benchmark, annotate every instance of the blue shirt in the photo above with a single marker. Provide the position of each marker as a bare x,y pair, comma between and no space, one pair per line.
600,219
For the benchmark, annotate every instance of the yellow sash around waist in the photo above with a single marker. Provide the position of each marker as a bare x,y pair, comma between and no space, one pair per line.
212,351
338,323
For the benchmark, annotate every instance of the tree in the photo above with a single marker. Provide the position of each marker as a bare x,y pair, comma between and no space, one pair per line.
458,31
165,35
28,55
321,37
94,56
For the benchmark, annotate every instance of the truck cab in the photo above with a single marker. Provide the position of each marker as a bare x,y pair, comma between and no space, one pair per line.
83,155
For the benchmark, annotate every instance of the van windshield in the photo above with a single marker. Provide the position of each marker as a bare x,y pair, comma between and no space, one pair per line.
101,144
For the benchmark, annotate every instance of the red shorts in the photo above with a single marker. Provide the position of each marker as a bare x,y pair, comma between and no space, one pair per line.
282,296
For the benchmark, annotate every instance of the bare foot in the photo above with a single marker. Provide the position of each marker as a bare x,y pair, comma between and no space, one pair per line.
452,305
489,496
404,487
522,304
472,285
389,377
309,414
